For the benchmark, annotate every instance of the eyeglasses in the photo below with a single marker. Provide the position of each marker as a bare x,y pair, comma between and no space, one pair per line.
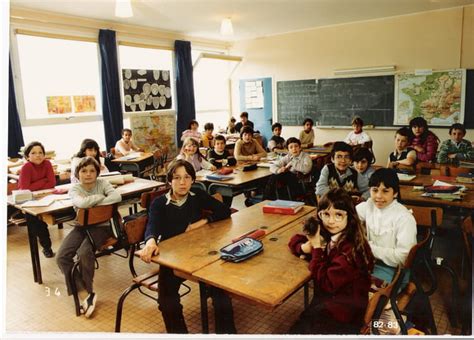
341,157
338,216
179,178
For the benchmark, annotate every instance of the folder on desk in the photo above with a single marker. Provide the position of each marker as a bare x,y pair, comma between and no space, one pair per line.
217,177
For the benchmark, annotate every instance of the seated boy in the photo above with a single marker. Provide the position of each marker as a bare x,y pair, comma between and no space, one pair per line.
340,174
219,156
457,148
247,148
244,121
276,142
125,145
357,136
207,139
403,157
307,135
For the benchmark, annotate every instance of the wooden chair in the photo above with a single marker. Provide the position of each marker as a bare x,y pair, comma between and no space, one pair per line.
90,217
453,171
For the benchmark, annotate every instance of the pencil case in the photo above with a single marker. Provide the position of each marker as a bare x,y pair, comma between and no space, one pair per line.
241,250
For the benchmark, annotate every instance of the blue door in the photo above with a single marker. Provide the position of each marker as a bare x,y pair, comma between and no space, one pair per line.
260,115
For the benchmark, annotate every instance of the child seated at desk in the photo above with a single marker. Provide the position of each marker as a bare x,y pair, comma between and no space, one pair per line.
231,126
219,156
89,148
287,169
247,148
456,148
190,153
192,131
276,142
339,174
125,145
244,121
422,140
37,174
340,261
363,160
307,135
89,192
391,228
177,212
207,139
357,136
404,157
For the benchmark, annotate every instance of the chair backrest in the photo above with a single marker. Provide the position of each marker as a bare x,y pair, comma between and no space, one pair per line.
453,171
95,215
426,216
134,227
148,197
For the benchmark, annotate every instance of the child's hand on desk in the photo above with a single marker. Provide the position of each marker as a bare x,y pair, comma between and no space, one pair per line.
255,158
151,249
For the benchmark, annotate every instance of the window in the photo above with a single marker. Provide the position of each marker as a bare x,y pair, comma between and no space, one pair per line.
59,79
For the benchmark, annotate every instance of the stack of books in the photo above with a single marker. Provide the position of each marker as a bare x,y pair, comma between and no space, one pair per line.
444,191
283,207
465,178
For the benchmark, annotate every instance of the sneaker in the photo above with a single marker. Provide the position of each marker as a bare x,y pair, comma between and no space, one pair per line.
88,305
48,252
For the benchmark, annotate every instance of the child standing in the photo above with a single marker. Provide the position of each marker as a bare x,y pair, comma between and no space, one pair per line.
37,174
357,136
244,121
177,212
89,148
276,142
192,131
340,263
422,140
219,156
307,135
363,160
457,148
403,156
231,126
207,139
190,152
89,192
125,145
391,228
247,148
339,174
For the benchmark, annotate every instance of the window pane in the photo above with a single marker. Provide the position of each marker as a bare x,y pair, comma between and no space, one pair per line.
59,77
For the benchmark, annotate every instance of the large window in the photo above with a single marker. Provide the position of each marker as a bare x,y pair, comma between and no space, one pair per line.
59,79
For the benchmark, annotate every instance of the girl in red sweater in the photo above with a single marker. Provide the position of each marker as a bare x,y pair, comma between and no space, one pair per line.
340,263
423,140
37,174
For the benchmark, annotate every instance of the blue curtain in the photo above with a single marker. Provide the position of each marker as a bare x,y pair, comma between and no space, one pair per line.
111,102
186,109
15,135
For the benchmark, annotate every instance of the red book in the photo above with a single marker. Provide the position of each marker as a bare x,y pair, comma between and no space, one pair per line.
281,210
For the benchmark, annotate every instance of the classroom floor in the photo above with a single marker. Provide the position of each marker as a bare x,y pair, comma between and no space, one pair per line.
47,308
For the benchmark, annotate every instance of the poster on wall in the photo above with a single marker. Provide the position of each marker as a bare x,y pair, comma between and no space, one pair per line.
146,90
254,94
59,104
437,97
154,131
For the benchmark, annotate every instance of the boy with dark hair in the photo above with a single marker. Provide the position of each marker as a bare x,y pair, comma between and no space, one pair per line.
307,135
207,139
219,156
247,148
403,156
340,174
457,148
244,121
125,145
276,142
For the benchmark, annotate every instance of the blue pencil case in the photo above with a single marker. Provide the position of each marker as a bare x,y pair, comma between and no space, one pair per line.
241,250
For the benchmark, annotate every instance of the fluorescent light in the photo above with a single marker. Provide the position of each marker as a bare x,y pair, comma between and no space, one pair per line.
226,27
362,70
123,8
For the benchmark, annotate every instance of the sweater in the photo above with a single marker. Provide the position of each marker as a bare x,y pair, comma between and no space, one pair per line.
75,162
125,148
168,220
301,163
239,125
463,150
341,284
306,138
353,138
197,164
349,181
191,133
276,142
245,151
37,177
102,193
213,156
430,145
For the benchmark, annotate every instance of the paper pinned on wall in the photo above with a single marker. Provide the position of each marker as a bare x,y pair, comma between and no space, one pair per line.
254,94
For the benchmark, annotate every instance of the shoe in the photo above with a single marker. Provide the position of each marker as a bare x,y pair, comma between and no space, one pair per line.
48,252
88,305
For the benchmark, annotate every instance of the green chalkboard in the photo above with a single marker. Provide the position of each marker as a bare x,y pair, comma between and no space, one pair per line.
334,102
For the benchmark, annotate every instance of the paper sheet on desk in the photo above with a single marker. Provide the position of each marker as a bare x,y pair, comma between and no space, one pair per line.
45,201
405,177
132,186
204,172
130,156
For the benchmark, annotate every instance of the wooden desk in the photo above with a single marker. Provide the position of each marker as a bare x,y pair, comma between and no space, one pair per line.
203,246
135,165
50,213
426,180
408,195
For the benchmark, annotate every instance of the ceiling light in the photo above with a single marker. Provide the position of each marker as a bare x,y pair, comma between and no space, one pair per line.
226,27
123,8
363,70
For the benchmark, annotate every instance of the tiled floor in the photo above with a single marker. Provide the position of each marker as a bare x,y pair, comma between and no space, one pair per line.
47,308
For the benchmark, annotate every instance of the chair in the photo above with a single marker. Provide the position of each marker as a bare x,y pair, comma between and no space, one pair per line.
427,168
224,190
453,171
93,216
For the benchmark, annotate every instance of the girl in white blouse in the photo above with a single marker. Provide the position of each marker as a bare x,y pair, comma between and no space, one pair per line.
391,228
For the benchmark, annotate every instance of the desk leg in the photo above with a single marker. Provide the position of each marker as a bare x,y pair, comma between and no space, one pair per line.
35,261
204,315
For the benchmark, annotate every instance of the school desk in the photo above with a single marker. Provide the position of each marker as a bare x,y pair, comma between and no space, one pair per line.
203,244
426,180
61,208
410,196
135,165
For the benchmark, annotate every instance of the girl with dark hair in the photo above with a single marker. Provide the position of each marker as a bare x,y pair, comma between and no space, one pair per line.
89,148
340,263
422,140
391,228
192,131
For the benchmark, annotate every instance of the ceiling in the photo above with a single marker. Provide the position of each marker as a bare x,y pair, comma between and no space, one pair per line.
251,18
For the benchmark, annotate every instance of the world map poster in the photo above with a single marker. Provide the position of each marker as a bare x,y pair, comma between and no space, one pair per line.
437,97
154,131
